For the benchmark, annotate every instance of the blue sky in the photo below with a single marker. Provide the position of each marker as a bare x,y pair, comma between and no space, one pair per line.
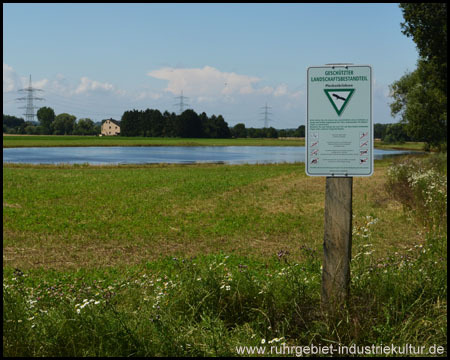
99,60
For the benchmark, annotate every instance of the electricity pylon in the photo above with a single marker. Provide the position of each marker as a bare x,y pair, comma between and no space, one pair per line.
182,104
29,112
266,114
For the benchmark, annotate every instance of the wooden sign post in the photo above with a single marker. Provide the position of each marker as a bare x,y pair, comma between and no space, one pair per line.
339,145
337,240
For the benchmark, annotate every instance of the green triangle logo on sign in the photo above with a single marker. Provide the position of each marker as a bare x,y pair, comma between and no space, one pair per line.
339,98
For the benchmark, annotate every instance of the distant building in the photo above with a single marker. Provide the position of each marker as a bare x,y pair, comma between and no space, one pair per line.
110,127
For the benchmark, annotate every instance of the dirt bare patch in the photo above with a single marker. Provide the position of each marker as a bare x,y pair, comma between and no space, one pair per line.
5,204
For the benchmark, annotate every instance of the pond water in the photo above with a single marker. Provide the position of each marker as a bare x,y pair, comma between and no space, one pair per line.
165,154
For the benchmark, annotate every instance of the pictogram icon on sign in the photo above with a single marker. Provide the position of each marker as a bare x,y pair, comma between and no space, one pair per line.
339,98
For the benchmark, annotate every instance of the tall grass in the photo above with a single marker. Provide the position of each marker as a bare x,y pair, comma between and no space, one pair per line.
209,305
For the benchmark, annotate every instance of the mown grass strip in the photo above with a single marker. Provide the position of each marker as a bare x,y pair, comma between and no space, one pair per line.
73,140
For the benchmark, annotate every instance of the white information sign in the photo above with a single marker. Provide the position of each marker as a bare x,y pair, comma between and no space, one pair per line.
339,125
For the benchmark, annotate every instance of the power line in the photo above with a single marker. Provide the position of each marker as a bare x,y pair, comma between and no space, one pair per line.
80,108
29,112
78,101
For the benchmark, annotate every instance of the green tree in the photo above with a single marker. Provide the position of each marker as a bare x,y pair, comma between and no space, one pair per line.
256,133
422,107
420,97
157,123
379,130
12,124
188,125
129,124
208,130
30,128
46,117
300,132
426,23
271,132
221,129
239,131
169,124
395,133
64,124
84,127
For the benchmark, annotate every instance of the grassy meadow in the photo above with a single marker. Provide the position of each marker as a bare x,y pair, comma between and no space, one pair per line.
110,215
198,260
73,140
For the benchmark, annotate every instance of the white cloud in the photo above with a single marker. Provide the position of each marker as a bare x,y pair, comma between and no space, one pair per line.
205,99
297,94
148,95
205,82
281,90
266,90
61,85
87,85
40,84
209,84
11,81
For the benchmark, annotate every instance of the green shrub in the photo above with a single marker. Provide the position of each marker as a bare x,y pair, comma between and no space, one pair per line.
420,184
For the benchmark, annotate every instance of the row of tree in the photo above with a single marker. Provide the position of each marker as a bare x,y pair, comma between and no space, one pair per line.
240,131
392,133
65,124
188,124
154,124
50,124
